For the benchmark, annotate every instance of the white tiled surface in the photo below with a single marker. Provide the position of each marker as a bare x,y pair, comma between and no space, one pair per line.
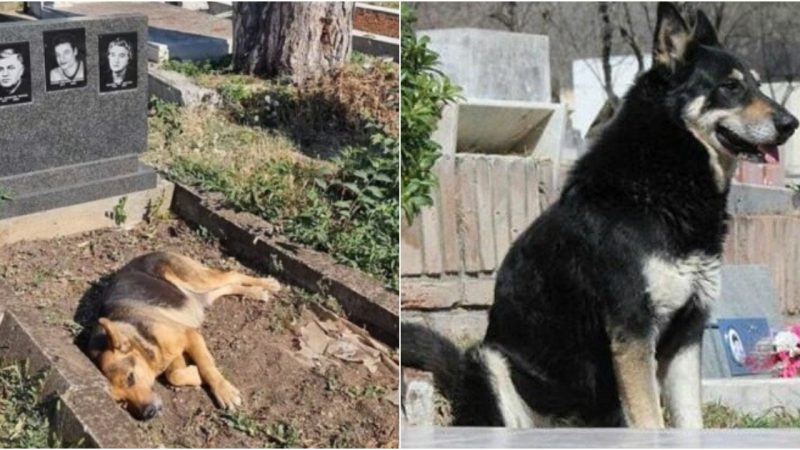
467,437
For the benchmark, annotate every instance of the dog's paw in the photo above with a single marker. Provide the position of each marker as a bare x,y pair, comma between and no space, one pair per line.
267,287
271,285
187,377
226,395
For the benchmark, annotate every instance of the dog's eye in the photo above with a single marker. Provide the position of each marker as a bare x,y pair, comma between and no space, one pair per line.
733,86
131,380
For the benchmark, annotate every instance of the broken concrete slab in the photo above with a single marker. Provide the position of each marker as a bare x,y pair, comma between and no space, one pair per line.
418,397
174,87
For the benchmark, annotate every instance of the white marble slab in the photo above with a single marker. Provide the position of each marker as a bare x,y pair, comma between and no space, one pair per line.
468,437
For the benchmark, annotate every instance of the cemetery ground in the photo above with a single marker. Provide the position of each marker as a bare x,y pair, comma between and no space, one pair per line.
319,163
287,400
315,166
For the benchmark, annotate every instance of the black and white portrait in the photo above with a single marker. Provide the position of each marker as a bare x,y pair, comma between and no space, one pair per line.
65,59
15,76
117,61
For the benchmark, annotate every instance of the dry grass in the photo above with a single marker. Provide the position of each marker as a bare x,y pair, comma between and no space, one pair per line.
208,136
10,6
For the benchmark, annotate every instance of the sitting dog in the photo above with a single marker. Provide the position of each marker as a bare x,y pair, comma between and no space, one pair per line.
600,305
150,325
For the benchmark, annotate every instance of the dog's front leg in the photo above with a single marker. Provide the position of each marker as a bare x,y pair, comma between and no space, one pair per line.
225,393
680,379
179,374
635,369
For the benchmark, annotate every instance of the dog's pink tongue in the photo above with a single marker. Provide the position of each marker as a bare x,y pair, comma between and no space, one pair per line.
771,154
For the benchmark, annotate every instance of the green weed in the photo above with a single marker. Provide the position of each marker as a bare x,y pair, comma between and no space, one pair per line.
118,213
716,415
6,194
23,412
167,119
284,435
196,68
279,435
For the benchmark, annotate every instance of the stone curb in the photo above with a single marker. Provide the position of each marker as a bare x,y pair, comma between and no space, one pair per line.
365,301
379,9
375,45
86,412
177,88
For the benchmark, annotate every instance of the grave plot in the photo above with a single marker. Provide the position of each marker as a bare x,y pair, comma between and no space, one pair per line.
299,184
295,394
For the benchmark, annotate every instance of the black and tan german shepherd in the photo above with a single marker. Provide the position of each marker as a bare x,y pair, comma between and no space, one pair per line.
600,305
150,325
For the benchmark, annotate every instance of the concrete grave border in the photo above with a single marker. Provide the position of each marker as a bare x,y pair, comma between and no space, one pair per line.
86,412
173,87
374,44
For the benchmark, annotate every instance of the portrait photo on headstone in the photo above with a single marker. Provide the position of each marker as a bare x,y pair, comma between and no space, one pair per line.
15,77
65,58
117,53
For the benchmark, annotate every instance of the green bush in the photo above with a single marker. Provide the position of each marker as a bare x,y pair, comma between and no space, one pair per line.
424,91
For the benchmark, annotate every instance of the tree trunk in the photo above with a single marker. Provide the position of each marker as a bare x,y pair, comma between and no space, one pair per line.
298,39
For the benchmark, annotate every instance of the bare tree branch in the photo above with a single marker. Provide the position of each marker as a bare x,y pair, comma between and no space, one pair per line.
506,18
628,34
607,34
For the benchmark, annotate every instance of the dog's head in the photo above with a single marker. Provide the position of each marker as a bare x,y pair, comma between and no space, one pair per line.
714,92
121,359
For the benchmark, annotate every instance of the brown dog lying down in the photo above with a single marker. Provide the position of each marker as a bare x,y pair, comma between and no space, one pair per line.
150,325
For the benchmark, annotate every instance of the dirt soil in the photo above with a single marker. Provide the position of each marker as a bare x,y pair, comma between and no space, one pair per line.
296,392
377,23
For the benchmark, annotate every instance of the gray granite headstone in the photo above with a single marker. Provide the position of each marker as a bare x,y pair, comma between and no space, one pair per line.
470,56
747,292
70,144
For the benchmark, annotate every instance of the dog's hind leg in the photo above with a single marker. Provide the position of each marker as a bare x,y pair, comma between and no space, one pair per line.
179,374
226,395
635,369
210,284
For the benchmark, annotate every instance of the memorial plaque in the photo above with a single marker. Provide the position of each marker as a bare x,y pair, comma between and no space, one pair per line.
73,104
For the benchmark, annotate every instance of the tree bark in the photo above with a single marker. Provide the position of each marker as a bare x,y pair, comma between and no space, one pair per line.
298,39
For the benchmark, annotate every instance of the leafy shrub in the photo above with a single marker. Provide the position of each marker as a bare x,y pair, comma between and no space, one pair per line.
424,91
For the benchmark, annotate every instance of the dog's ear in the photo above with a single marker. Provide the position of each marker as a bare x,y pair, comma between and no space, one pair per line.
703,31
115,339
672,36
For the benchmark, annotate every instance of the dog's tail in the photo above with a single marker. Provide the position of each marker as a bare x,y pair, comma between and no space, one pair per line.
425,349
